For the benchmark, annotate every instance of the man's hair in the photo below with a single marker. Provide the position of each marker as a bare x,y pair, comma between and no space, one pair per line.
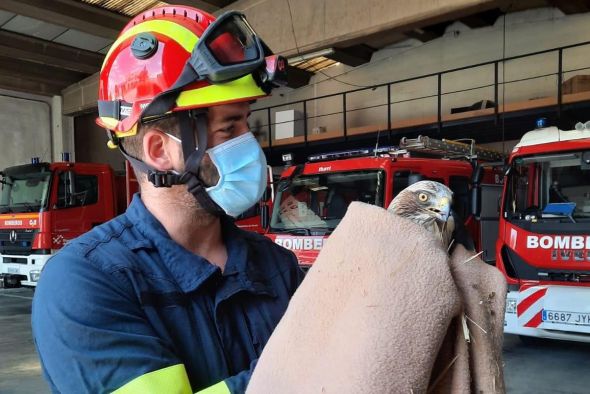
134,145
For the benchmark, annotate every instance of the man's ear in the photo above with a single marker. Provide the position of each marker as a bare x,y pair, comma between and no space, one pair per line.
157,150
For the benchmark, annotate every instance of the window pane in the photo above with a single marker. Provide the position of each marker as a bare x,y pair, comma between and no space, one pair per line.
85,191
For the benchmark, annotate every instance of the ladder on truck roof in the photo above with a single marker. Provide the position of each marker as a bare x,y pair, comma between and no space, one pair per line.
450,148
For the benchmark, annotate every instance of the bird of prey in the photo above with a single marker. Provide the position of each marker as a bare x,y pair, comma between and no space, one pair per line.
427,203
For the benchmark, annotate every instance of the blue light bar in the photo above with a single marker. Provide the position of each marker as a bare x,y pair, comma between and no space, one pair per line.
541,123
351,153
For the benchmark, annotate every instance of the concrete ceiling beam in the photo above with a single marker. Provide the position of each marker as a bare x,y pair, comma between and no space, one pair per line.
207,6
38,72
27,86
71,14
36,50
297,27
569,7
428,33
482,19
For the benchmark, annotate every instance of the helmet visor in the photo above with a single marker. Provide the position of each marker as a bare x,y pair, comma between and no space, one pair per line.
228,49
233,42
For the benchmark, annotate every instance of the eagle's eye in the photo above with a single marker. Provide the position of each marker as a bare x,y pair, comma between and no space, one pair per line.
423,197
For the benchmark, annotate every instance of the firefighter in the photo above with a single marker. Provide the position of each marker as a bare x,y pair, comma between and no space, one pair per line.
171,297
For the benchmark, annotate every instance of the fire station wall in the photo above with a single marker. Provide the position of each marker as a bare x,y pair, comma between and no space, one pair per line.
91,143
25,130
525,32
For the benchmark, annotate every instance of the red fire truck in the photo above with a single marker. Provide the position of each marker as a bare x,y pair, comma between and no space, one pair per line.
311,199
543,246
43,205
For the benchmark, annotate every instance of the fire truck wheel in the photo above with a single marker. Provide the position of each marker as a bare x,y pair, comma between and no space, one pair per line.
9,283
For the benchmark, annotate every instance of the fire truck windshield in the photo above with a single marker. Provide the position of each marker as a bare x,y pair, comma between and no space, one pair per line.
548,188
24,191
315,204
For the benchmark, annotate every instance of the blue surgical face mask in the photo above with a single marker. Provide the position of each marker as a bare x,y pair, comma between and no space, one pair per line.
242,174
241,165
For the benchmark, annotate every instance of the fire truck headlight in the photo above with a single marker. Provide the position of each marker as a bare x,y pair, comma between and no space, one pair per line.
510,305
35,275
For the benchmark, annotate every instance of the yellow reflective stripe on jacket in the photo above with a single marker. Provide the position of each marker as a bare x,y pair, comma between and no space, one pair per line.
170,380
219,388
183,36
241,88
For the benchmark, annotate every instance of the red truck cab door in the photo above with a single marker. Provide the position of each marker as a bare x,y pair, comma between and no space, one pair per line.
489,218
80,200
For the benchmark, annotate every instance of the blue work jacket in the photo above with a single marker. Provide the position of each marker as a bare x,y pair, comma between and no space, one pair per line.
124,301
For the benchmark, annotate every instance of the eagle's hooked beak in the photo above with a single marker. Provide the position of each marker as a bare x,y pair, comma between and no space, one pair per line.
445,208
442,209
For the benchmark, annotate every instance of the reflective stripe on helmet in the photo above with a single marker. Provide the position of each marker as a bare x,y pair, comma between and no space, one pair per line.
183,36
219,388
109,123
171,380
240,89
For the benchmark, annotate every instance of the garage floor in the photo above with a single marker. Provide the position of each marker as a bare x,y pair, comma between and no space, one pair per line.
19,367
551,367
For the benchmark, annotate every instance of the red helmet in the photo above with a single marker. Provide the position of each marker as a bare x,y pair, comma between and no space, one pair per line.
186,56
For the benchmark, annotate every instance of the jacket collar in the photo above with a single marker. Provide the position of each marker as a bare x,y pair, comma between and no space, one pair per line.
190,271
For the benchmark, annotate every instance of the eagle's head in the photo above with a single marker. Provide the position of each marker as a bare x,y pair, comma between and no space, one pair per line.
424,202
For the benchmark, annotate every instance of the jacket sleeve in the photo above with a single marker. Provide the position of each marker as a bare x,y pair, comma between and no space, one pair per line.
91,334
233,385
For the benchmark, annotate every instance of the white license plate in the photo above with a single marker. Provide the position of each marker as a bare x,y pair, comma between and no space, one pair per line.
573,318
13,270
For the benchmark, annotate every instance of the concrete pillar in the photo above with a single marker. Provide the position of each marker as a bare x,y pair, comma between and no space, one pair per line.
25,128
62,130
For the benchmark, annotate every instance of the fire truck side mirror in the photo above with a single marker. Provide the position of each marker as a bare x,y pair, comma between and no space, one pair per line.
476,179
66,193
475,202
70,190
477,175
267,194
264,216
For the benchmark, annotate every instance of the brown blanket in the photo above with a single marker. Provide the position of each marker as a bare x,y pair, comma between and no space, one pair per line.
383,310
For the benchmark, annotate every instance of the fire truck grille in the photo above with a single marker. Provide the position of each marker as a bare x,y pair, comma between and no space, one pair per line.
16,242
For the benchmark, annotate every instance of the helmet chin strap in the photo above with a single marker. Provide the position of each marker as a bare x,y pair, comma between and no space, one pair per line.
193,158
192,161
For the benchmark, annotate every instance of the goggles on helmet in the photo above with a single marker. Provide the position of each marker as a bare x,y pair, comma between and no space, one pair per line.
228,49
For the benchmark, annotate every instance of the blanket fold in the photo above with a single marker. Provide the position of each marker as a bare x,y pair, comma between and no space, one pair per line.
384,310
